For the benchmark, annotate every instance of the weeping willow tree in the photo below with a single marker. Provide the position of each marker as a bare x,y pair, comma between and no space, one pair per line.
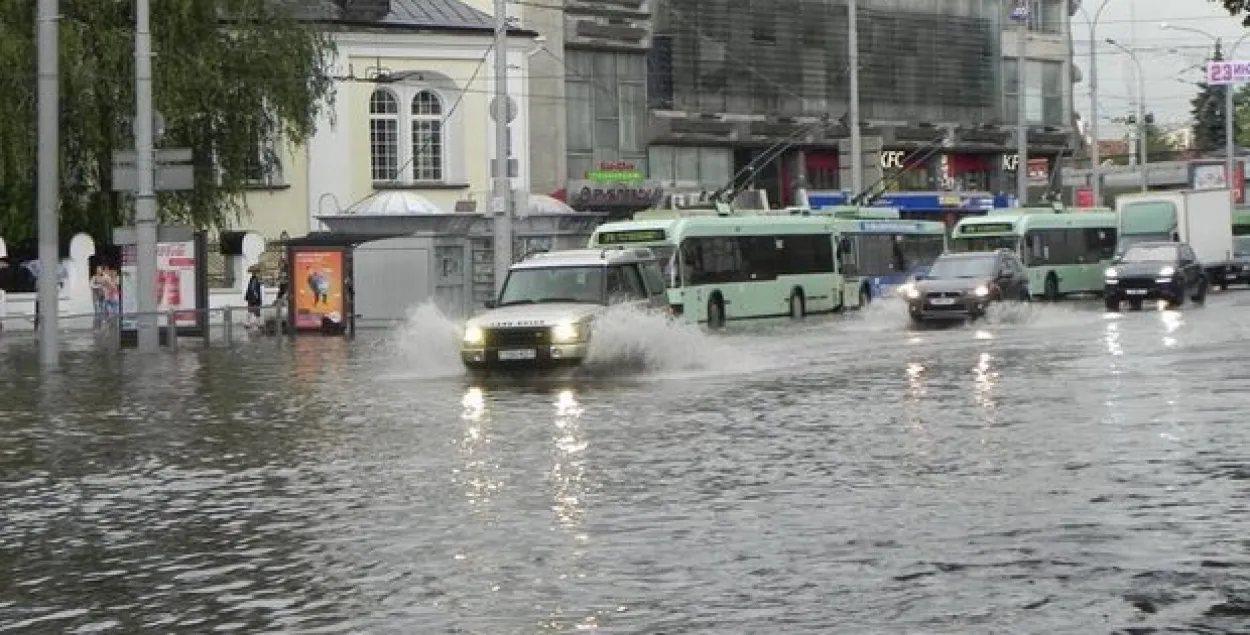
1236,8
230,77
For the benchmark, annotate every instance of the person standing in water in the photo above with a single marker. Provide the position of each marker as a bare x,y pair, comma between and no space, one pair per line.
254,296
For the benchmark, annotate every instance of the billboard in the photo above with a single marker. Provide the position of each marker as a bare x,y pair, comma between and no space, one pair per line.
176,283
318,278
1228,72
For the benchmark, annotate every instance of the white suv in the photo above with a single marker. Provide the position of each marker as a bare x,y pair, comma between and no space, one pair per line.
544,315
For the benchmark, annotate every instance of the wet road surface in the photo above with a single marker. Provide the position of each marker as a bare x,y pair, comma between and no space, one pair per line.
1055,470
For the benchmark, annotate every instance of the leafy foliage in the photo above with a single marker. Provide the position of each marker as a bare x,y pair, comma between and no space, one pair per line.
1208,111
1236,8
229,76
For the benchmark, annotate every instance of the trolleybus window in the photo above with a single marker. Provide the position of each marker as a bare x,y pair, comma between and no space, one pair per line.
1068,246
755,258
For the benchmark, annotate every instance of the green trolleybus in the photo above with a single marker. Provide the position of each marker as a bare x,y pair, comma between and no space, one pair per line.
1065,252
721,268
880,251
1241,221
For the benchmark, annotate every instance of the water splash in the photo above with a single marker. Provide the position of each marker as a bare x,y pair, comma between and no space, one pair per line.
633,340
428,343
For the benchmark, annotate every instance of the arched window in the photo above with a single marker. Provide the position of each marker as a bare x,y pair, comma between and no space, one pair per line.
384,135
427,137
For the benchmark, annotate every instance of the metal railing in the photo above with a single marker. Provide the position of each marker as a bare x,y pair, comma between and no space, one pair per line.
219,326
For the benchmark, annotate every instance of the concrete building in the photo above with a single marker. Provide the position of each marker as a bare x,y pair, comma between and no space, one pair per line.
411,112
733,78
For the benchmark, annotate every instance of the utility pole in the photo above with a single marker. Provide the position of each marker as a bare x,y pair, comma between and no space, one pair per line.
1022,110
1095,167
857,144
145,198
501,196
48,188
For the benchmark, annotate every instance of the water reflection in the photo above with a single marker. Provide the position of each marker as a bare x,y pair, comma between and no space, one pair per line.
479,474
1112,341
1172,322
568,470
917,403
984,382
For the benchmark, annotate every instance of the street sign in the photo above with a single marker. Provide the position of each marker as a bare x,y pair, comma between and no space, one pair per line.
1020,12
170,155
173,168
1228,72
169,178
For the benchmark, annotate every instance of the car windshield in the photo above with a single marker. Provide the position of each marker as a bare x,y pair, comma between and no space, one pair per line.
1149,253
1241,246
553,284
946,268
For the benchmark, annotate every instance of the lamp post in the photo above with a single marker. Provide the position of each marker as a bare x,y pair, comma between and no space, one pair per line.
501,196
1021,15
1141,109
857,146
48,188
1095,169
1230,142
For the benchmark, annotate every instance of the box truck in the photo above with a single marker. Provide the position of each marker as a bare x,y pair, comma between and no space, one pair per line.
1202,218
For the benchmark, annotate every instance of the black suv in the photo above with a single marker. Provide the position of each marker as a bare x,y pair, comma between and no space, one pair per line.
959,286
1239,269
1155,271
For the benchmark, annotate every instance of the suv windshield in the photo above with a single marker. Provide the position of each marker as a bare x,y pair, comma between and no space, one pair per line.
553,284
1149,253
1241,246
946,268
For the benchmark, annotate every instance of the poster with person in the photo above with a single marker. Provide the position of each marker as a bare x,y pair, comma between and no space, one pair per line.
318,285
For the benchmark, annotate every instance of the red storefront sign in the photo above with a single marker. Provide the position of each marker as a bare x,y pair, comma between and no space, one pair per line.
1085,197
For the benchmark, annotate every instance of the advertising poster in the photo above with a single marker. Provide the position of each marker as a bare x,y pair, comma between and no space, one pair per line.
175,283
318,285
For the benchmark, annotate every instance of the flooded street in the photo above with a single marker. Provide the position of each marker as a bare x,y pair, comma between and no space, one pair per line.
1055,471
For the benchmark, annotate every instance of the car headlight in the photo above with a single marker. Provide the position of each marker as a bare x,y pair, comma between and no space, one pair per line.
1111,273
910,291
1167,271
982,291
564,332
473,335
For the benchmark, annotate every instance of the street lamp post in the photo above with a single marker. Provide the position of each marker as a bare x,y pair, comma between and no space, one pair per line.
1230,141
1095,169
1141,110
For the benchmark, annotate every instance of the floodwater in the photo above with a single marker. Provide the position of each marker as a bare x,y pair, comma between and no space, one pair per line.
1053,470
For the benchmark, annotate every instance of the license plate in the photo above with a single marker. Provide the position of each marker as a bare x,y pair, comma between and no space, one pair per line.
525,353
1137,292
942,301
1230,276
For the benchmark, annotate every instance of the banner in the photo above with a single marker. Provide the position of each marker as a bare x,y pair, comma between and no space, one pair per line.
175,283
318,285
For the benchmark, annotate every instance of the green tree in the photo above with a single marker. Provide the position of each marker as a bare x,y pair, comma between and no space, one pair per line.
1208,111
229,76
1236,8
1159,145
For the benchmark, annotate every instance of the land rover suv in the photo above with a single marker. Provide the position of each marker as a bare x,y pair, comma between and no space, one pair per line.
544,315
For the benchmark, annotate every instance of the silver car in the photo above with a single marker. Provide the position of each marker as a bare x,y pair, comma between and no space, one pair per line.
544,316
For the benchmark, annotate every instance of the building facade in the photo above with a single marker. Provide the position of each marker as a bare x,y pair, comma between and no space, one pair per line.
411,112
731,78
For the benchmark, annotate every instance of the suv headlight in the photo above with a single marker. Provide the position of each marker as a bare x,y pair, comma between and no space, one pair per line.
1111,273
910,291
982,291
473,335
1167,271
565,332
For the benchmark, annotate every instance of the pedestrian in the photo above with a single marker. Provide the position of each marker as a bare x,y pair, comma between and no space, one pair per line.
97,295
254,296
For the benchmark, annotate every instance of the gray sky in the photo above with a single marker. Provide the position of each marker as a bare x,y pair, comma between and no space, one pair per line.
1165,55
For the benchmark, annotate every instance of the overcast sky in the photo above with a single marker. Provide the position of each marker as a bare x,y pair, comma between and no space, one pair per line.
1165,54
